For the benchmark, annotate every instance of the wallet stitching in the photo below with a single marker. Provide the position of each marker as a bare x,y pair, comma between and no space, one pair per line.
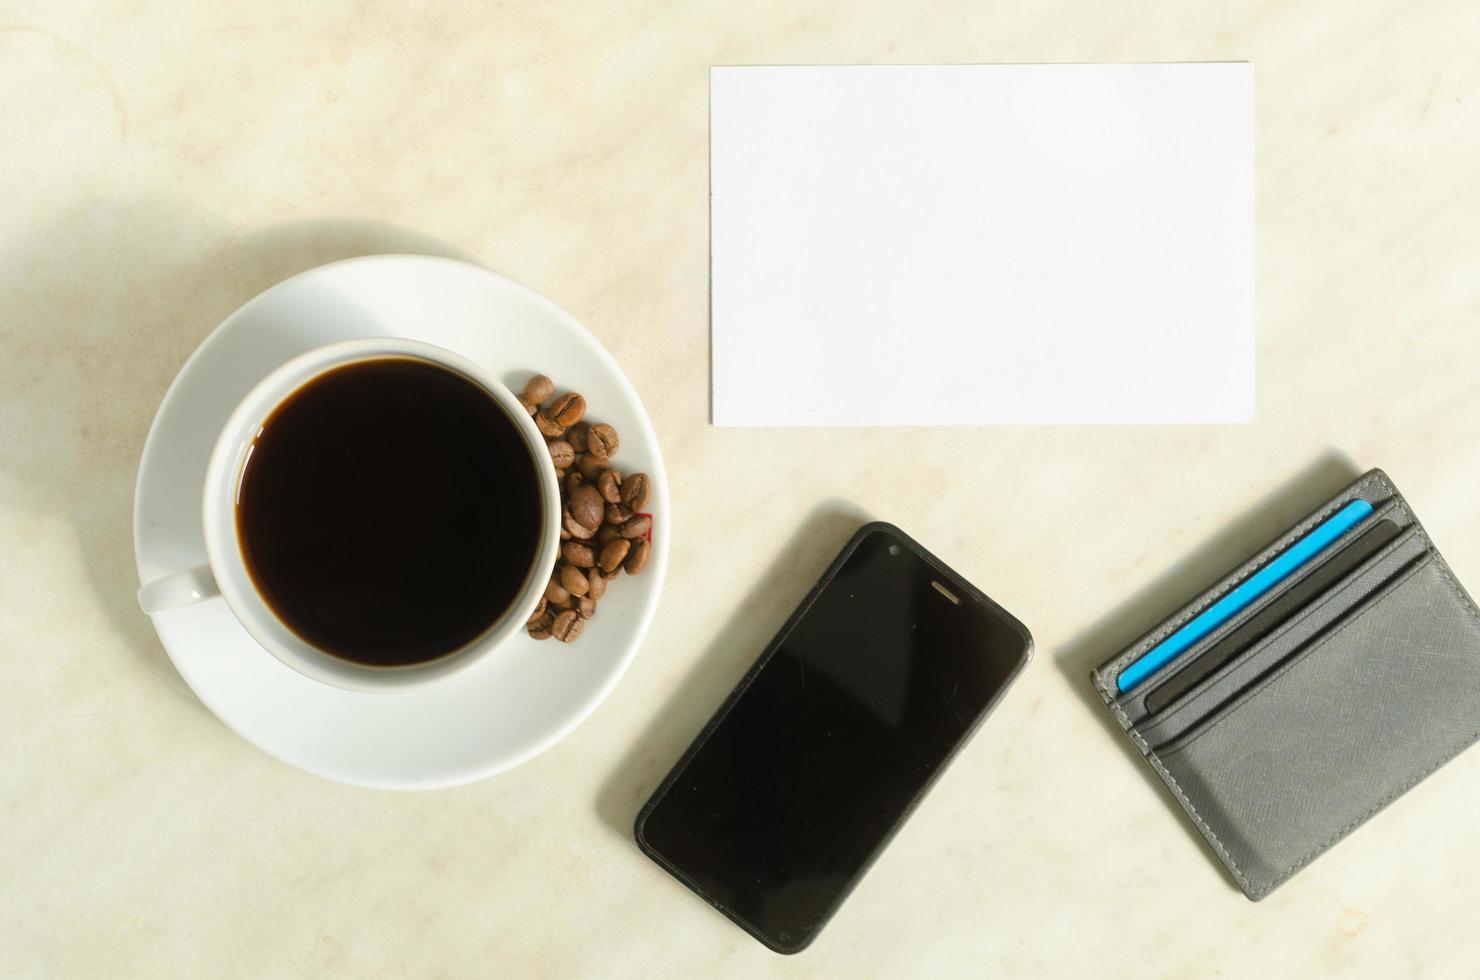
1208,832
1454,586
1321,849
1120,662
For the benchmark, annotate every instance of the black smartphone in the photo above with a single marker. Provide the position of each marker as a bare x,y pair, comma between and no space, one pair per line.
820,753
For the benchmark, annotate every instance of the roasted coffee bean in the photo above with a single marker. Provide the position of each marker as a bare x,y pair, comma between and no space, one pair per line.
540,627
590,466
538,388
571,480
637,527
567,409
576,435
619,513
564,534
609,485
539,611
574,580
602,441
607,532
577,530
595,583
578,554
567,626
613,553
555,592
637,557
563,453
586,506
586,607
528,405
548,427
636,489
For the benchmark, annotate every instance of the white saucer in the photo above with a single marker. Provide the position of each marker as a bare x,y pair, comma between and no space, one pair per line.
512,705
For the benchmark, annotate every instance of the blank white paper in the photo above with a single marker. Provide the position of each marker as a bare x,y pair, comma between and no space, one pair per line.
982,244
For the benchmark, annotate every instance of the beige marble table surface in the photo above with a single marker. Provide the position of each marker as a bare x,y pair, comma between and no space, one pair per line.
162,163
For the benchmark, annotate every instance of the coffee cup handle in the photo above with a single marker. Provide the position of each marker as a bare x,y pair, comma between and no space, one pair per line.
180,589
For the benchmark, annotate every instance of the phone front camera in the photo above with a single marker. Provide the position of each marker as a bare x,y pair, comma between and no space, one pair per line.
894,550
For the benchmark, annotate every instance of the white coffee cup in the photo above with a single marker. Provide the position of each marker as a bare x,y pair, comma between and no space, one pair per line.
227,575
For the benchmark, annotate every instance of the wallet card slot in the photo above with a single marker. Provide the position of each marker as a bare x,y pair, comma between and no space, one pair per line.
1246,667
1150,698
1284,771
1353,565
1372,487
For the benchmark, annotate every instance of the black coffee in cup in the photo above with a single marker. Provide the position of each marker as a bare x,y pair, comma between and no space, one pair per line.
389,511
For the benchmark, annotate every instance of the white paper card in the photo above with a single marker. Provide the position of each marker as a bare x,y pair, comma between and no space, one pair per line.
977,244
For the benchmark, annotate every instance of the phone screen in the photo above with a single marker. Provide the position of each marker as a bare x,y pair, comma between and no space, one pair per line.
822,750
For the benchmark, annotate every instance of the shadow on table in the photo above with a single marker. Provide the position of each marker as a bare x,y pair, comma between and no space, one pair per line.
1226,550
729,655
108,301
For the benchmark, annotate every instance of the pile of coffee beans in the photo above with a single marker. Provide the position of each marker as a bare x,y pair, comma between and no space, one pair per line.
604,527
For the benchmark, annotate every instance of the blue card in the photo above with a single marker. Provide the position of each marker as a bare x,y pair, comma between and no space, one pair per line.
1285,565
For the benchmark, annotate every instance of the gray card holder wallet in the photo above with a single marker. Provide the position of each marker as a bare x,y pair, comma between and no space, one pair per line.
1292,723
